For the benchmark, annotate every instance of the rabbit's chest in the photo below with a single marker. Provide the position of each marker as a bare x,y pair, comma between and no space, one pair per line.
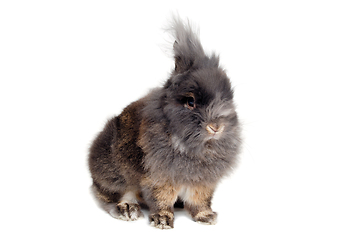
187,169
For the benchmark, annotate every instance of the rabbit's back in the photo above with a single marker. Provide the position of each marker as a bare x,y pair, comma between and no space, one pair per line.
115,160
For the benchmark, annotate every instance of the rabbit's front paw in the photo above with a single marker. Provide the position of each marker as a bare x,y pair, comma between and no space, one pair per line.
162,220
206,217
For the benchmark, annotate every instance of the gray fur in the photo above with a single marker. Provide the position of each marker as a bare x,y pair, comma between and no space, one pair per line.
187,47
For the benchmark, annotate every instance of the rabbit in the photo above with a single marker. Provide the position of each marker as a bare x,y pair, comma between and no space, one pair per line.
172,146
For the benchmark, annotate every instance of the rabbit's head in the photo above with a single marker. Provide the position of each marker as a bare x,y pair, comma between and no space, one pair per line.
198,98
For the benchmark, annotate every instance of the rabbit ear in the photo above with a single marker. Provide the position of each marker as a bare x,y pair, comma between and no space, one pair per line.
182,63
187,47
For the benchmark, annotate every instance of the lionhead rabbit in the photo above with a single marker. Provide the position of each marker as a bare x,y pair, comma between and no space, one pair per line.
173,145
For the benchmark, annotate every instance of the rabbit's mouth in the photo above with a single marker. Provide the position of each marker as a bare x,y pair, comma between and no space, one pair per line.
214,131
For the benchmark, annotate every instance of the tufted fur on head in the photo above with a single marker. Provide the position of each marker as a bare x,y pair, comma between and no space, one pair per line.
188,51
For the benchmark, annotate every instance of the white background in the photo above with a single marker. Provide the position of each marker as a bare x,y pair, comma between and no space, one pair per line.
67,66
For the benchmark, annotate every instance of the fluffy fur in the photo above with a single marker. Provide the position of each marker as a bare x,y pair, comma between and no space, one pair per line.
175,144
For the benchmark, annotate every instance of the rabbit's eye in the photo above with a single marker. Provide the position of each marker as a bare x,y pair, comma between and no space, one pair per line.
190,103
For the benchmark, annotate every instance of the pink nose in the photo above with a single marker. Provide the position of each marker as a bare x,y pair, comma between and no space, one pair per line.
214,128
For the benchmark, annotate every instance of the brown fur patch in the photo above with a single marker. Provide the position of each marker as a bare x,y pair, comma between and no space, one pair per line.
166,194
198,199
163,194
198,195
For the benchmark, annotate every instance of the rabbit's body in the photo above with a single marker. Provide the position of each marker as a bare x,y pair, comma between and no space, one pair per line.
174,144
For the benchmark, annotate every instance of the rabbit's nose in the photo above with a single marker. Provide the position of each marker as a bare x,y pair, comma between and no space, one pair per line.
214,128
